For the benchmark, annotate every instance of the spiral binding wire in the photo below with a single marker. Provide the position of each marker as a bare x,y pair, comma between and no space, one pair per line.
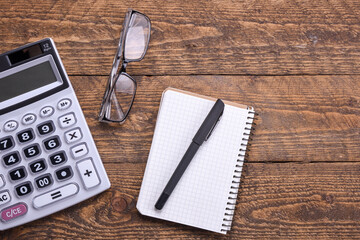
230,208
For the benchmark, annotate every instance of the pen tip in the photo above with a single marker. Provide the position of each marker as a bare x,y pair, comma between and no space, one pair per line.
161,201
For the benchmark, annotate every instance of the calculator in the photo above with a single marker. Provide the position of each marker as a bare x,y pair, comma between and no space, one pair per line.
49,160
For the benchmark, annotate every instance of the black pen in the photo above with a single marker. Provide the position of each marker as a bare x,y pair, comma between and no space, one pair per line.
202,135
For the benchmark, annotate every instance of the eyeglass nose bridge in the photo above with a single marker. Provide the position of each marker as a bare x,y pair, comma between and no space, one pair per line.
123,67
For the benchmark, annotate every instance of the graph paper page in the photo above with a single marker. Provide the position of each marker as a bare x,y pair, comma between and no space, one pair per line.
201,196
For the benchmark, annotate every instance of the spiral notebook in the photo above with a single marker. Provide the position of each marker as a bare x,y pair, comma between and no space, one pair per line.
205,196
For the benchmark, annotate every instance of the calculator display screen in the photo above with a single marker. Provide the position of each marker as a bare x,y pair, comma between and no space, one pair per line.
26,80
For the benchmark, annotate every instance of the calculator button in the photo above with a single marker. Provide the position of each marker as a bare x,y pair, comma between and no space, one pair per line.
17,174
64,104
32,151
4,197
46,111
46,128
88,173
11,159
73,135
10,126
37,166
43,181
2,181
67,120
64,173
14,211
23,189
52,143
6,143
28,119
25,136
55,195
79,150
58,158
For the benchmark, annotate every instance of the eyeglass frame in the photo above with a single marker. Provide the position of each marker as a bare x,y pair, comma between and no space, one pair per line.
116,72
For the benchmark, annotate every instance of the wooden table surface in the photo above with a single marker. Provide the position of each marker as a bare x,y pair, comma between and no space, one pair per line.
296,62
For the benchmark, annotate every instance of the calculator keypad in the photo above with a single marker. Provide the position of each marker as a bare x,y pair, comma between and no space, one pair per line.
41,153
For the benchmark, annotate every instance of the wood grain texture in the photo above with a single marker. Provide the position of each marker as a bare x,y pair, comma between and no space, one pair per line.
301,118
301,179
257,37
276,201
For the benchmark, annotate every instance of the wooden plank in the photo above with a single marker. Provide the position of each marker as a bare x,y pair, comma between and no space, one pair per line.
302,118
277,200
196,37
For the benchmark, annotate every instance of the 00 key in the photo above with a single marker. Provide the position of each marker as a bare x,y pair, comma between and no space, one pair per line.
43,181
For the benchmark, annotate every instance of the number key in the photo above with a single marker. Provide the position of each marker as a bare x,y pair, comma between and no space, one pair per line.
46,128
32,151
58,158
17,174
25,136
52,143
6,143
43,181
11,159
23,189
37,166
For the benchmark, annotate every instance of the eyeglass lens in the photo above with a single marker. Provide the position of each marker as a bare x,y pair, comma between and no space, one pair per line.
121,98
137,37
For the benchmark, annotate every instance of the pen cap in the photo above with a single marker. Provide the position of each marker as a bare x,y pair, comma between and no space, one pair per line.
209,123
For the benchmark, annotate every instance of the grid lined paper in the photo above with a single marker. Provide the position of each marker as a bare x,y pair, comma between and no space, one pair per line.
201,196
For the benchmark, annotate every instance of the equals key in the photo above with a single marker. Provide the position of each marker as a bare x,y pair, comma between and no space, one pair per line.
56,195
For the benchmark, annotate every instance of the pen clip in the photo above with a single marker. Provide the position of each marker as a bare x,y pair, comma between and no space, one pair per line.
213,127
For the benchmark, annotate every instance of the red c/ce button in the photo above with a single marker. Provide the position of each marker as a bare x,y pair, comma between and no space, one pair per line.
13,212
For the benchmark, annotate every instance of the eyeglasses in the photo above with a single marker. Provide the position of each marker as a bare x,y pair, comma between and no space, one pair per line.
121,88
